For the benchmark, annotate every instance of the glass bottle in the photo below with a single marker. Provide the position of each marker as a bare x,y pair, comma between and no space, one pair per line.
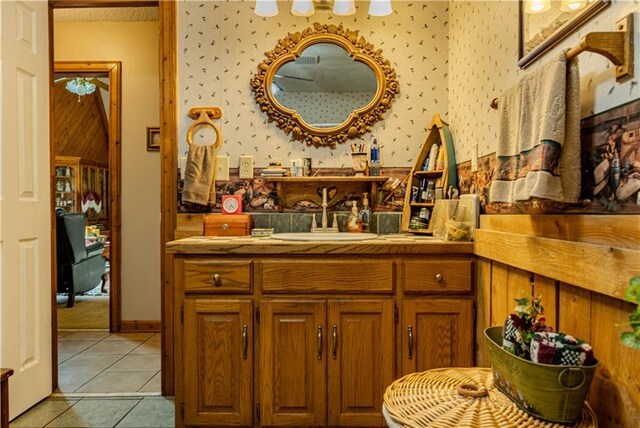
374,159
429,193
365,213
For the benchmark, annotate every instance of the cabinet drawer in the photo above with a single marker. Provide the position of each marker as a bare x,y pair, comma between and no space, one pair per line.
217,276
335,275
437,276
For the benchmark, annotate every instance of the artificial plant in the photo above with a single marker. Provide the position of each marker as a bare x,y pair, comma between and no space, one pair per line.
632,338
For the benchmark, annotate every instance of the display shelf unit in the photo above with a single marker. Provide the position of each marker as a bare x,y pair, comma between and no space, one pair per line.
75,176
442,178
295,189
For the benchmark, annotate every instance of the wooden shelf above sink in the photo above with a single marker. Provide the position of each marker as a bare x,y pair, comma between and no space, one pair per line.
292,190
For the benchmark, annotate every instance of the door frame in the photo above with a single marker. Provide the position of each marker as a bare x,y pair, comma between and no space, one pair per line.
114,71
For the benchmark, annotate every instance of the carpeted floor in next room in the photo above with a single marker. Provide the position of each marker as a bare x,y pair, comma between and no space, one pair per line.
89,312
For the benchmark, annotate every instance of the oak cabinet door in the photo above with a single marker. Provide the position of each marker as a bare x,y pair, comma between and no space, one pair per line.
218,362
436,333
293,363
361,360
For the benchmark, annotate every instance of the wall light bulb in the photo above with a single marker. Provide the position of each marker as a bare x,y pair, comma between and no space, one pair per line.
537,6
266,8
302,8
380,8
572,5
344,7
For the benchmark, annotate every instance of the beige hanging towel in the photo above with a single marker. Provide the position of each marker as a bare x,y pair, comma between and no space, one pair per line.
199,177
539,137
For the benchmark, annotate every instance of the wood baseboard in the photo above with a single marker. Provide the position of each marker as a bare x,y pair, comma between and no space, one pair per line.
139,326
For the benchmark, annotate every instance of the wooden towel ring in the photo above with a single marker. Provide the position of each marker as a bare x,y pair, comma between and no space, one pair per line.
203,119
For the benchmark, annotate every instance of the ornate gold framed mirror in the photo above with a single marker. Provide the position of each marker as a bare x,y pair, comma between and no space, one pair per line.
324,85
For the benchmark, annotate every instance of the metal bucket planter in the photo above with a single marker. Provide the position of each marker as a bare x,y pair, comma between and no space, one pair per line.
550,392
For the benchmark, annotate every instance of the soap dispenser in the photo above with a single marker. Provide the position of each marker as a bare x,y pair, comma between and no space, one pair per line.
354,224
365,212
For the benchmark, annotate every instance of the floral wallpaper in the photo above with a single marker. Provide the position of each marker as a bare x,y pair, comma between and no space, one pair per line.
324,109
483,56
221,43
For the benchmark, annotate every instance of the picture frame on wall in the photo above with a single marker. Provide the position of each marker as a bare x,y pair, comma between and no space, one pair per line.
544,23
153,139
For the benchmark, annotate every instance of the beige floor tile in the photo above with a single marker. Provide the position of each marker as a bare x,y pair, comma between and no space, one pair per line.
71,380
129,336
117,382
137,363
95,413
88,363
154,385
94,335
74,346
151,412
43,413
63,357
150,347
117,347
63,333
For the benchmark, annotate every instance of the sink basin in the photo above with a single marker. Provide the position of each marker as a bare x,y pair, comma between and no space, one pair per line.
324,236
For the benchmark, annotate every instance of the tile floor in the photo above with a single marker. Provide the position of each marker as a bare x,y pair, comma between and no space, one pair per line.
93,361
99,412
103,365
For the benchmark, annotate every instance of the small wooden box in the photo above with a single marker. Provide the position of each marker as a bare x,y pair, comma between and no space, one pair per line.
227,225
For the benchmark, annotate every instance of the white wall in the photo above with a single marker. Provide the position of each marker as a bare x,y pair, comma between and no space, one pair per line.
220,45
483,56
135,44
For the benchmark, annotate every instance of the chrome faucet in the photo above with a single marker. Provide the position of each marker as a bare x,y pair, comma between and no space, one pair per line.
324,220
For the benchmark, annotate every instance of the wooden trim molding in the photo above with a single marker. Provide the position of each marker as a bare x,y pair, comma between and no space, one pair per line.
138,326
75,4
169,193
114,70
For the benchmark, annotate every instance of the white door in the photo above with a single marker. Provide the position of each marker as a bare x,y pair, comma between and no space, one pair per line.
25,228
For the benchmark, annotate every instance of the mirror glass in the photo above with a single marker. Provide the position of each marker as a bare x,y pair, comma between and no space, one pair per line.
324,85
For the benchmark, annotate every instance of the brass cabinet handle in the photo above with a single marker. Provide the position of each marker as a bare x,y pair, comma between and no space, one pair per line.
334,335
439,277
216,280
410,334
319,342
245,342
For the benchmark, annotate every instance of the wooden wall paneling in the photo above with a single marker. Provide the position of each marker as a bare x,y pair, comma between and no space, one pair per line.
79,127
614,230
548,289
500,306
518,286
169,193
615,391
483,310
574,311
583,264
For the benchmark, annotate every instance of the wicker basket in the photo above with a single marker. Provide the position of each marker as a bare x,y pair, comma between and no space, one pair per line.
550,392
434,399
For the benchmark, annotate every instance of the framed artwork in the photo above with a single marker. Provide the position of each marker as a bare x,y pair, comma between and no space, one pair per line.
153,139
544,23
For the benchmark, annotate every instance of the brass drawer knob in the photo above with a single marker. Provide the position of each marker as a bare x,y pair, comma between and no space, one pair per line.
216,280
439,277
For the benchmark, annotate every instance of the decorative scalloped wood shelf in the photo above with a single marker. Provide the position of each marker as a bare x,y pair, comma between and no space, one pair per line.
428,173
292,190
422,204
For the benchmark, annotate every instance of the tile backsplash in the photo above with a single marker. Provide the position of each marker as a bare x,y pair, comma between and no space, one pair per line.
381,222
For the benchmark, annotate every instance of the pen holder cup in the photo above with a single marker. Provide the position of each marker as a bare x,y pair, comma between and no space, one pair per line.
359,163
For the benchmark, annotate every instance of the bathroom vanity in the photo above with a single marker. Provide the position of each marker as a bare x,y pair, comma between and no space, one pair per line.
296,333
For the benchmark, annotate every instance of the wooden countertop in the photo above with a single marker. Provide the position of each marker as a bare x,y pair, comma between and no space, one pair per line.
385,244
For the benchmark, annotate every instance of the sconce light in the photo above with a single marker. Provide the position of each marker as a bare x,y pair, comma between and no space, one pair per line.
380,8
572,5
266,8
344,7
302,8
536,6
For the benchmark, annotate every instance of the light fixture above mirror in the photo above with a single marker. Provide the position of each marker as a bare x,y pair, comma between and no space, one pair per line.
268,8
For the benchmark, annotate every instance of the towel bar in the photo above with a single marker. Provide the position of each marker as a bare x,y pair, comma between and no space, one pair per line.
617,46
